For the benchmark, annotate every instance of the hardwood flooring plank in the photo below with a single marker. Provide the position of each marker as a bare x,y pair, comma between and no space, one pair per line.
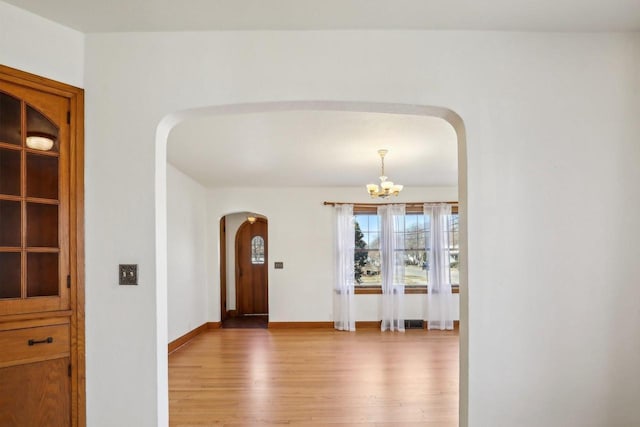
319,377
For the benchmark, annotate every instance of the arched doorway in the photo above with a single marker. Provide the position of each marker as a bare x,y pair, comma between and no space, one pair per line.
244,295
170,121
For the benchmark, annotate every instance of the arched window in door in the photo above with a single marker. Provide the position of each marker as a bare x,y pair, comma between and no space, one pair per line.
257,250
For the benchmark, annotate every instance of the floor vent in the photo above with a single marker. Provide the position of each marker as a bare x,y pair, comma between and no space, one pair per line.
414,324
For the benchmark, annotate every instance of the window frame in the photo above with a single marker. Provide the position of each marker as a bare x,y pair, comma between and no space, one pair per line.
408,290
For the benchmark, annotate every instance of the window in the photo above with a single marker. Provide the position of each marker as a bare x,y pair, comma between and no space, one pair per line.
416,262
454,248
415,230
257,250
367,250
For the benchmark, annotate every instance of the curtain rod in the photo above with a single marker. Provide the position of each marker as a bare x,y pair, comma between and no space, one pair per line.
372,205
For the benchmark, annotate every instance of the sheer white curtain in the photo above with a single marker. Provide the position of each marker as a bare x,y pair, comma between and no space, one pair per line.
343,310
439,298
392,266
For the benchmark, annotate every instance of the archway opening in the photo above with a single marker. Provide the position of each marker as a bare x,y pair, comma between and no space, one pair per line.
163,132
244,258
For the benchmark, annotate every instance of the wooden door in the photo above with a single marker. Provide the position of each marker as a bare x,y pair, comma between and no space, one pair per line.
252,295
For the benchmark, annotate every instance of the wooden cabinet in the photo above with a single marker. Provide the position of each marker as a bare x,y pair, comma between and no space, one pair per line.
41,241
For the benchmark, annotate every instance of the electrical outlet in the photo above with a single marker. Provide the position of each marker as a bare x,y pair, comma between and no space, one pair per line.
128,274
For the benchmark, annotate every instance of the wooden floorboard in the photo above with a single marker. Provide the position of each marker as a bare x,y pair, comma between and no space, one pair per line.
321,377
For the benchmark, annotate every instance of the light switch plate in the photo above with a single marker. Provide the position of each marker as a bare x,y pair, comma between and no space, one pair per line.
278,264
128,274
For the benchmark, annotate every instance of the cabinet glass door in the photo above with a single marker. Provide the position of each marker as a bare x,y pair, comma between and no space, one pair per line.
34,202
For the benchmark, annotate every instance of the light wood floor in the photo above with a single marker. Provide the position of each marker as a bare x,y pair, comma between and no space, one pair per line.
322,377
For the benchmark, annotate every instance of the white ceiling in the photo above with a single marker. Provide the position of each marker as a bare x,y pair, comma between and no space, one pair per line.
314,148
326,148
92,16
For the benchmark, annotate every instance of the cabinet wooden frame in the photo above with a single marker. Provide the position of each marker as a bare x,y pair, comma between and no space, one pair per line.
76,313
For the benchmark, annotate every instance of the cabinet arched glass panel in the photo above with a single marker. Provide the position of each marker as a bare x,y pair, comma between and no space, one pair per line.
257,250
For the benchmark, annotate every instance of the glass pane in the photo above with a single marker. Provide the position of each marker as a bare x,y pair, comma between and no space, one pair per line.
359,262
411,222
427,263
455,232
42,176
454,222
362,222
38,126
9,275
422,240
413,240
9,223
360,235
454,267
374,222
42,274
415,271
9,119
455,251
257,250
374,241
10,172
42,225
367,265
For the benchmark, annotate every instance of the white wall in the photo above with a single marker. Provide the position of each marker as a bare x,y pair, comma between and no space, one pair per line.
39,46
301,234
553,153
369,307
186,253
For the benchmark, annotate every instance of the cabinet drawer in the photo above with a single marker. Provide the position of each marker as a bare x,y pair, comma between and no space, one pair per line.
27,345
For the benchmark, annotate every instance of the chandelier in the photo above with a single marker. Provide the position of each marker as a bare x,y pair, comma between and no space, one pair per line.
386,188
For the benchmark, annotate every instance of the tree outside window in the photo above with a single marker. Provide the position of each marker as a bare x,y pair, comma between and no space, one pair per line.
367,250
360,254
